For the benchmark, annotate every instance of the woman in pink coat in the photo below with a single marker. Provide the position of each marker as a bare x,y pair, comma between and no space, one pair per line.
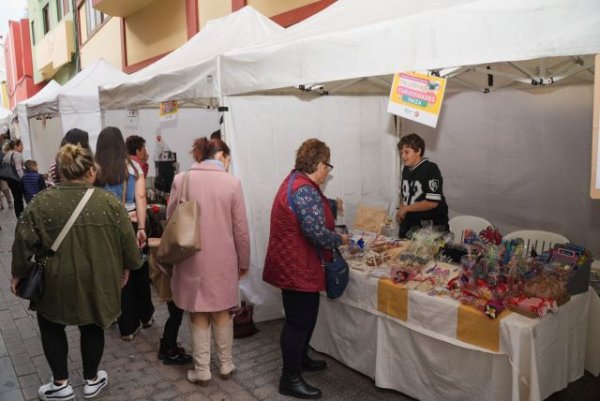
206,284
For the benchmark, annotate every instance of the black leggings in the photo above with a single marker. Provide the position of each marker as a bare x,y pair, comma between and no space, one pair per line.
17,194
136,301
56,348
172,325
301,310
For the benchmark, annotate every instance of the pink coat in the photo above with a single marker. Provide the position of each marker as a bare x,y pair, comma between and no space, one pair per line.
208,280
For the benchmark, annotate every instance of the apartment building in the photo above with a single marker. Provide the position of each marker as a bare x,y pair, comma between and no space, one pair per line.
17,54
135,33
53,39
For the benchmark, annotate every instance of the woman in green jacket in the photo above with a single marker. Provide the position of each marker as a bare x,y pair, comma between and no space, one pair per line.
83,280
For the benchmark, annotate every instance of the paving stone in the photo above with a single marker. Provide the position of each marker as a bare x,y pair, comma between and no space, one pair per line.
13,395
8,376
265,391
196,397
30,380
3,350
18,311
31,392
25,368
34,346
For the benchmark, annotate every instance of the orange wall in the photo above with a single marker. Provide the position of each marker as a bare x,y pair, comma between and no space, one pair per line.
19,65
97,45
271,8
156,29
211,9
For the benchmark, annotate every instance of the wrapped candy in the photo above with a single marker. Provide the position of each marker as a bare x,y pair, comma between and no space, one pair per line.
490,235
493,309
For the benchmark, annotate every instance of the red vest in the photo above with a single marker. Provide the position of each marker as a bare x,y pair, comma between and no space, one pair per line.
292,261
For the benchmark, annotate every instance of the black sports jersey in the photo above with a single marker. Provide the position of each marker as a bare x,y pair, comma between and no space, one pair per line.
424,182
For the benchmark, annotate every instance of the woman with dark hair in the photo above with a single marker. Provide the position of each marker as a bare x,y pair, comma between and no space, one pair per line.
13,155
83,279
301,234
125,179
74,136
206,283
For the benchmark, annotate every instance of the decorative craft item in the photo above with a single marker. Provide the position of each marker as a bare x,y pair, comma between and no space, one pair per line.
369,218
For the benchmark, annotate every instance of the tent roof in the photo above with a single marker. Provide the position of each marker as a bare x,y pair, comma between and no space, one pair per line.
49,90
354,39
80,94
4,113
191,71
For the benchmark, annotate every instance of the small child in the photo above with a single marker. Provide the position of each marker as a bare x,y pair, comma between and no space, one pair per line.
32,181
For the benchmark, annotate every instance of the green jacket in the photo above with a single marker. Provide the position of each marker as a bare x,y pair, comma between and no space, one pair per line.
83,280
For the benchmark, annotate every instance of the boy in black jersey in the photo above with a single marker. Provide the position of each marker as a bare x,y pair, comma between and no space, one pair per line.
422,200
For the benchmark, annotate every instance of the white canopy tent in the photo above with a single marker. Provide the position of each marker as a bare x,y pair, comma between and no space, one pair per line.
190,75
75,105
353,47
5,118
358,39
22,125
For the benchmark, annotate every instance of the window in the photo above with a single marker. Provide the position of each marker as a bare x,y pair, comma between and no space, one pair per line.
65,7
46,19
32,33
95,18
59,11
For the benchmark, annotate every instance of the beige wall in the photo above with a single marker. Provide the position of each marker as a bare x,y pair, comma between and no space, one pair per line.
105,43
56,48
211,9
271,8
82,24
156,29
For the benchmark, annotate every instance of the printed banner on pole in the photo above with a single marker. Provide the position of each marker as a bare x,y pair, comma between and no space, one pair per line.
168,110
417,97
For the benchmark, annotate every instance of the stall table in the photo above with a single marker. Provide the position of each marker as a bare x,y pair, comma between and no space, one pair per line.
424,356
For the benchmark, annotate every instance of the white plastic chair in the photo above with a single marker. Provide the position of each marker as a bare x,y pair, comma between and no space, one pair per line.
459,224
537,240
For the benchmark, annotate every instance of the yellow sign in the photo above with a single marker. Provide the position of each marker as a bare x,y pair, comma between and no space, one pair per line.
168,110
417,97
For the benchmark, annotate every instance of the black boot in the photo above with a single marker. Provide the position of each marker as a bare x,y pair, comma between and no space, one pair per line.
313,365
293,385
172,355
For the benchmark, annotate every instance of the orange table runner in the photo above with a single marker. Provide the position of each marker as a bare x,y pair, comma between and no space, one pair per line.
472,326
392,299
475,328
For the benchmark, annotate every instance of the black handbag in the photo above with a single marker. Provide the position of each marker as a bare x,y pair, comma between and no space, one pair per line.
32,286
337,272
8,171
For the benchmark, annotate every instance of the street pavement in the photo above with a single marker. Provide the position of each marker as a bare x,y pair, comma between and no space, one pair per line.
135,373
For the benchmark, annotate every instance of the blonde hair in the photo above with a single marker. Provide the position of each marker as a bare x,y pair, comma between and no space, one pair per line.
74,161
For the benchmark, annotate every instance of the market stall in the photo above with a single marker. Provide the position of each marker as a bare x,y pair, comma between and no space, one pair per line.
190,75
422,357
5,119
75,105
498,141
505,322
22,121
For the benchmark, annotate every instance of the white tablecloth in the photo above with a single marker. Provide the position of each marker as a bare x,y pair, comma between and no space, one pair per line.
422,358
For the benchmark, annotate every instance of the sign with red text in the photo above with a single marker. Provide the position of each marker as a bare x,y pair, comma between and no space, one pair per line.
168,110
417,97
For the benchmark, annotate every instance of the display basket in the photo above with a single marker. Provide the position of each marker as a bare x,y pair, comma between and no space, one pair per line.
579,281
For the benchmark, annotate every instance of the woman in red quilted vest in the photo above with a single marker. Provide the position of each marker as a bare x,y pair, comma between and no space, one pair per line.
302,221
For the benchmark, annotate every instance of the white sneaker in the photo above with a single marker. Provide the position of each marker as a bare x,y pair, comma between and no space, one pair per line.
92,388
52,392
